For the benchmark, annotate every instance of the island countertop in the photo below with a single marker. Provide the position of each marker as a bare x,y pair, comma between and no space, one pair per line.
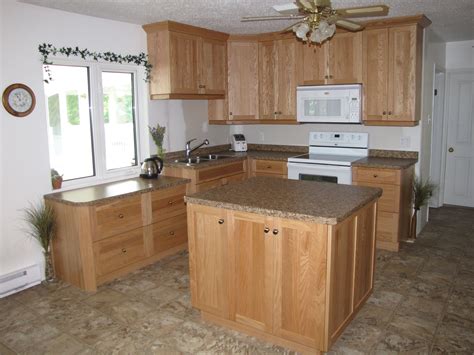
319,202
102,193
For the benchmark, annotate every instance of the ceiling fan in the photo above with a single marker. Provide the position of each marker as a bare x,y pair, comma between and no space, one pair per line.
318,20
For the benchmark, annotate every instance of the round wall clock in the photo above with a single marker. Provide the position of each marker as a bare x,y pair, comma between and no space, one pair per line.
19,100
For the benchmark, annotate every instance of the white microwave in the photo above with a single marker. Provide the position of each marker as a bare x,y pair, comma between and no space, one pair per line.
329,103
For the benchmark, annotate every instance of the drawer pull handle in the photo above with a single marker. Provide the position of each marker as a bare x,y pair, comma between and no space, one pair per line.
375,175
124,250
275,231
266,229
221,221
269,167
172,233
120,215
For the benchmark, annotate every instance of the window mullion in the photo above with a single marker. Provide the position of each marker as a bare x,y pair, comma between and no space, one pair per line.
97,114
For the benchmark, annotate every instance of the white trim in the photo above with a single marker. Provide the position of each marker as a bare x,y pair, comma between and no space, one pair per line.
98,136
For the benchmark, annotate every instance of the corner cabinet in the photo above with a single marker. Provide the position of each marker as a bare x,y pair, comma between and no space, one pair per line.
188,62
294,283
392,67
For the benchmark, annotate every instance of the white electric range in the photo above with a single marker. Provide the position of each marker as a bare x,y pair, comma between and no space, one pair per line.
330,157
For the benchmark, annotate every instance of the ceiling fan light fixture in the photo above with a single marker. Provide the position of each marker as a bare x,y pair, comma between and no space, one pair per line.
302,31
316,36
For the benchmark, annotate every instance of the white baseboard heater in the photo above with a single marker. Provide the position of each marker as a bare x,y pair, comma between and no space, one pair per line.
19,280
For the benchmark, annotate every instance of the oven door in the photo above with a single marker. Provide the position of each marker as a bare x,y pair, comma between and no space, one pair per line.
318,172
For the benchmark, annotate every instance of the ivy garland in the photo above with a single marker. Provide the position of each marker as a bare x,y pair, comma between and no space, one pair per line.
48,49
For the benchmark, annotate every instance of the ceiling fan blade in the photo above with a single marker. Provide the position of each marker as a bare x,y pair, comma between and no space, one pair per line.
349,25
287,9
322,3
305,5
290,28
270,18
364,11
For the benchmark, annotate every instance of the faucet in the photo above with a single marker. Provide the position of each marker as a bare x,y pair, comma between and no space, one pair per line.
188,147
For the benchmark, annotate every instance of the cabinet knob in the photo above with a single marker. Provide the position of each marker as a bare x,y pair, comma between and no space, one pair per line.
170,202
230,113
384,113
266,229
330,76
326,77
375,175
451,149
269,167
389,112
221,221
202,86
120,215
275,113
275,231
172,233
124,250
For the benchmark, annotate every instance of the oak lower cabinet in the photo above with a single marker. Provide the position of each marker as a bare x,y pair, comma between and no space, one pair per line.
275,168
206,178
294,283
98,242
395,205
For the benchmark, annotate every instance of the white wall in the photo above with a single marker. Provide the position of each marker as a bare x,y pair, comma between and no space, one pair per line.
460,55
184,120
2,246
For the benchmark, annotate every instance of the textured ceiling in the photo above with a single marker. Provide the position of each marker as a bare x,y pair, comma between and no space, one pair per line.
453,20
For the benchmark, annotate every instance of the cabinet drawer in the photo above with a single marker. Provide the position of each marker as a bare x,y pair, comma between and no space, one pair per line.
220,182
167,203
271,167
118,217
169,233
233,179
220,171
390,199
119,251
387,226
384,176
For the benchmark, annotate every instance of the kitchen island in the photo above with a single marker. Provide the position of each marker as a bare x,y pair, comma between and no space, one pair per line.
287,261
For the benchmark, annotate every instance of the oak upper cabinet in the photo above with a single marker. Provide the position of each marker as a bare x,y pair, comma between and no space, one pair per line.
188,62
277,75
336,61
242,80
392,60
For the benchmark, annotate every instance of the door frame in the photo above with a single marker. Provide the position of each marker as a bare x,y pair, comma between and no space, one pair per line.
442,181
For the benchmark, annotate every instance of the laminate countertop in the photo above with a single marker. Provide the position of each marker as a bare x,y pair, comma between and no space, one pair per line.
318,202
102,193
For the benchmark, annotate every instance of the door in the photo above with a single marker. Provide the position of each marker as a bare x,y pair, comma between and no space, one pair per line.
345,58
213,67
253,245
404,59
184,59
243,80
300,281
459,181
209,268
266,75
286,79
375,69
314,58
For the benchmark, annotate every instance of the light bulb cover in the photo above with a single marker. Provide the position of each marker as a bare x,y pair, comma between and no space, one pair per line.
302,31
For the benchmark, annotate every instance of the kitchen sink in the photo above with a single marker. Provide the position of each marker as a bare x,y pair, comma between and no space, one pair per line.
203,159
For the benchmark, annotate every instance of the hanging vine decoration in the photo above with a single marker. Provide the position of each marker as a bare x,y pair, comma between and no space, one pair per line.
47,50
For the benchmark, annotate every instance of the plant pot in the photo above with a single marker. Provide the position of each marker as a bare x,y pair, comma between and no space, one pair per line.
48,267
57,183
160,152
413,224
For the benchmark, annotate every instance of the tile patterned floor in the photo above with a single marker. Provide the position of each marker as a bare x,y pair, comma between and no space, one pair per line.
423,303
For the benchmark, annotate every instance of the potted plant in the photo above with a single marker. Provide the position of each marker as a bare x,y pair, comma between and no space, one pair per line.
158,134
422,192
42,225
56,179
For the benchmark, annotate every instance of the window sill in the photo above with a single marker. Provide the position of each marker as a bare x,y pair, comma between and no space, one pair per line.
96,181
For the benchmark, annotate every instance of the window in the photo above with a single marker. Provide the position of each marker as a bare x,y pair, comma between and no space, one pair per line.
92,121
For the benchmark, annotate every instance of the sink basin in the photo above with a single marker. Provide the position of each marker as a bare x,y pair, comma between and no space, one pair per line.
203,159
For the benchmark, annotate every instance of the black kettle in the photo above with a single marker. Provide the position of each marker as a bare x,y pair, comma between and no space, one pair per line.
151,168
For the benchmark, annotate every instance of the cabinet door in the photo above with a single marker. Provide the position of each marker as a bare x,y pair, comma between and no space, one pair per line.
286,79
213,67
314,65
300,281
375,69
403,81
209,259
253,269
345,58
266,76
243,80
184,63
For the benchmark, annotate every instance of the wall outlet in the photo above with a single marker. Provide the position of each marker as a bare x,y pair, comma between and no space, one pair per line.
405,142
262,136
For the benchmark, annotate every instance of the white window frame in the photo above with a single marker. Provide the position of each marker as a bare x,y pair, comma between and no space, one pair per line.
96,113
